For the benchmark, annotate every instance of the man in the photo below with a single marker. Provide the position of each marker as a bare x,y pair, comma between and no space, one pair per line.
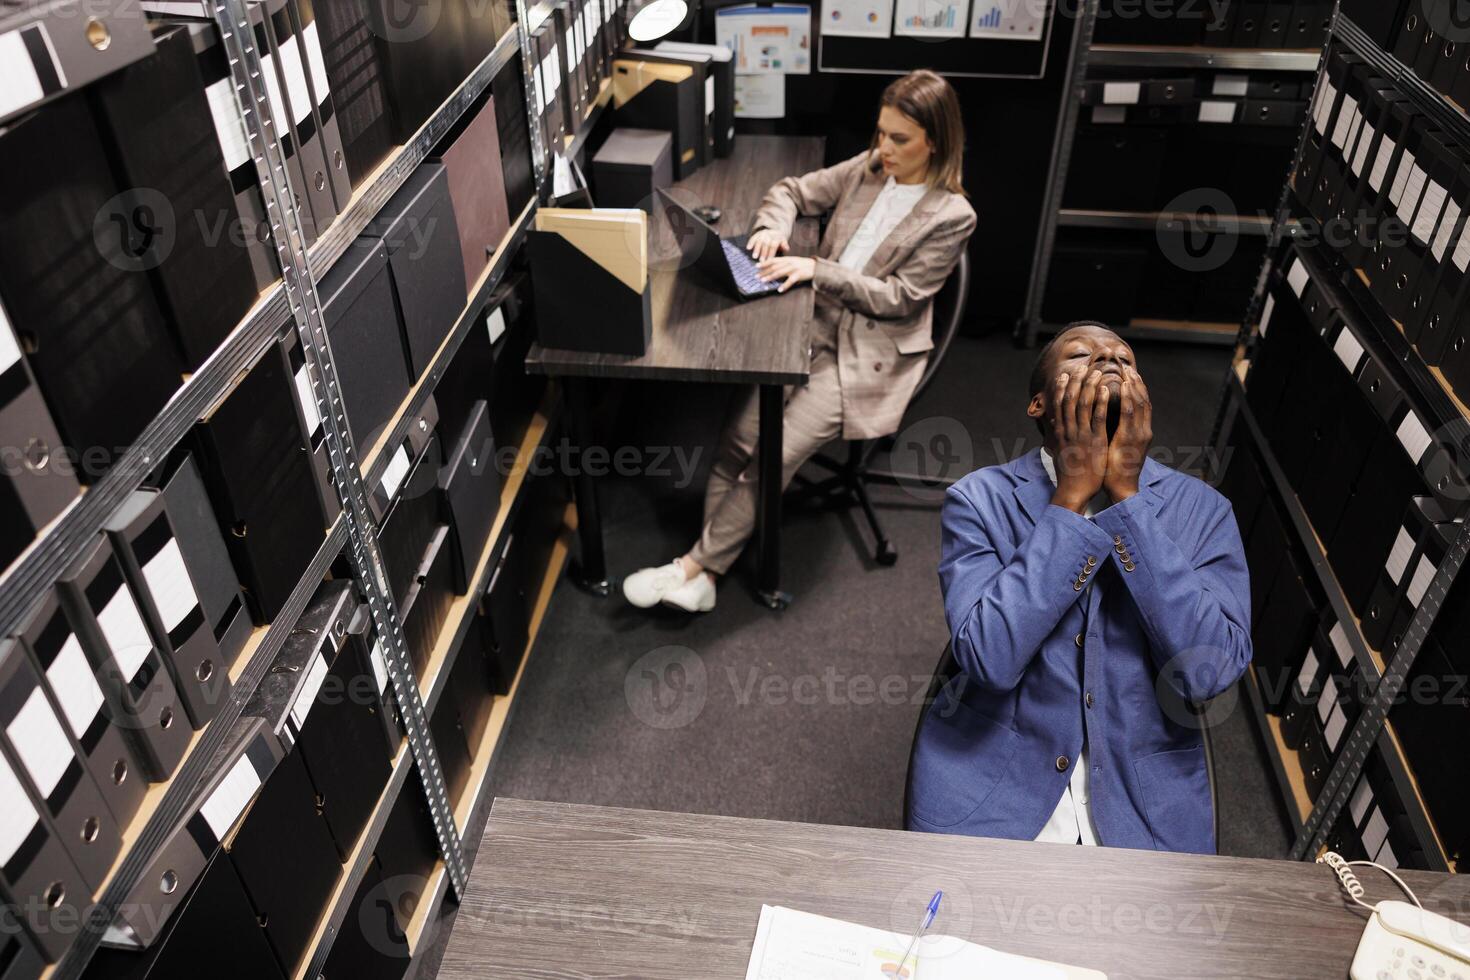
1088,589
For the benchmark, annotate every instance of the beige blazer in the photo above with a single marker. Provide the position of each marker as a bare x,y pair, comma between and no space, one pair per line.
885,328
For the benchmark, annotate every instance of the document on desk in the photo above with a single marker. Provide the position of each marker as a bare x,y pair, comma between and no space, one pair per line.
793,945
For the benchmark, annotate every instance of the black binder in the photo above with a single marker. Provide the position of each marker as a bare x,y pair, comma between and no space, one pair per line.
157,123
508,92
647,102
359,94
37,877
294,89
323,102
471,487
309,423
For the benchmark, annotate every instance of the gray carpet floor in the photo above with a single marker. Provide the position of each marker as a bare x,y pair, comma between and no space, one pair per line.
806,714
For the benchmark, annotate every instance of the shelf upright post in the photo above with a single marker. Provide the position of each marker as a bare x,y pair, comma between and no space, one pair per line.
233,20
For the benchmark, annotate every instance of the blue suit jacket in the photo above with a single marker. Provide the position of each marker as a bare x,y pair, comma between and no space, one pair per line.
1043,661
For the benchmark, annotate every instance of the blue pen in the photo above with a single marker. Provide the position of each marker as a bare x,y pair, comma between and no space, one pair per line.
929,915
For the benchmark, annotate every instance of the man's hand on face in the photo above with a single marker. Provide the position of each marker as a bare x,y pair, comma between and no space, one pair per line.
1080,407
1130,444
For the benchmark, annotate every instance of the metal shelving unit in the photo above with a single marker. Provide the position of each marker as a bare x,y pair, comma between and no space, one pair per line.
1451,430
1083,56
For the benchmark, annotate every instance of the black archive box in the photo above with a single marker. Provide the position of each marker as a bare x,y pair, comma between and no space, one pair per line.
19,957
129,665
471,685
37,485
426,607
73,286
451,742
630,165
408,498
205,554
146,543
418,230
421,58
508,92
213,918
1379,19
703,81
408,848
261,481
471,486
155,119
581,303
371,944
48,763
363,644
356,74
1116,167
721,67
364,332
39,885
656,95
52,641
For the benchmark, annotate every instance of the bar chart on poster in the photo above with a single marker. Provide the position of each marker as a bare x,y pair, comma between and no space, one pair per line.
965,38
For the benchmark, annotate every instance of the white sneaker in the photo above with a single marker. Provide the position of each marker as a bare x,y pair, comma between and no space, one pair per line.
647,587
695,595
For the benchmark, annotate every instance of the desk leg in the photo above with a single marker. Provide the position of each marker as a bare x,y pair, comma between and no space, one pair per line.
768,578
590,570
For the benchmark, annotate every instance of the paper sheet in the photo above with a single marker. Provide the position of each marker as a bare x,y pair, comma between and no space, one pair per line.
1011,20
773,40
930,18
857,18
793,945
761,97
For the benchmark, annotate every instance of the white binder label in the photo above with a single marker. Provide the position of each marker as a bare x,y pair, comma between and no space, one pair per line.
1348,349
1326,96
709,95
1355,132
125,633
1231,86
1401,181
315,63
1122,93
1297,277
1360,155
1462,253
380,666
1447,225
228,800
495,322
169,584
316,672
279,115
296,89
75,686
9,349
1398,557
228,126
1413,436
1429,211
1423,575
1328,700
1336,724
1386,856
1266,312
1339,639
1109,114
1361,800
20,815
40,742
307,399
19,84
1307,674
1379,173
1376,832
1217,112
394,473
1344,125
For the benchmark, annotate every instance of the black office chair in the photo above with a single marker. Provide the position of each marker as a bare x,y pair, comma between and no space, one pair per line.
948,669
851,477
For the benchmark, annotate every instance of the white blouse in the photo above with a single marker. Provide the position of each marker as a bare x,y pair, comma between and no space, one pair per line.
892,205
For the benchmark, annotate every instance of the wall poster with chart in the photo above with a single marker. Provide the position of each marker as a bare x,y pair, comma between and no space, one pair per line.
959,38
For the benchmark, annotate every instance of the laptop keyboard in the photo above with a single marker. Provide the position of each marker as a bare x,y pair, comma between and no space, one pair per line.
743,268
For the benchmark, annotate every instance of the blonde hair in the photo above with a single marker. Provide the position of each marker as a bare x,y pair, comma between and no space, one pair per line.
926,98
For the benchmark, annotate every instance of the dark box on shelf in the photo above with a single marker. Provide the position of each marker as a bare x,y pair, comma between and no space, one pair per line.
371,944
471,486
354,69
39,485
429,598
309,424
412,516
451,741
364,331
408,849
508,89
630,165
470,156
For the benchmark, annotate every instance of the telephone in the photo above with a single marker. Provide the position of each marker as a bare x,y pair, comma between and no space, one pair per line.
1402,940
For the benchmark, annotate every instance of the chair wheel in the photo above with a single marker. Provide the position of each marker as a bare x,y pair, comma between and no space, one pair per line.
887,554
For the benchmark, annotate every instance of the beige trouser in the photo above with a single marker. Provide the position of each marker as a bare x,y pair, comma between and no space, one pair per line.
812,418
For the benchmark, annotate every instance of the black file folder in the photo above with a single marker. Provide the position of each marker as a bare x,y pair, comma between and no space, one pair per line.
648,95
1396,277
1419,546
371,943
52,642
36,487
296,114
72,285
602,313
1379,19
508,93
323,102
56,775
129,667
355,72
205,554
1377,205
575,101
471,487
451,742
309,423
1218,30
550,89
261,481
156,121
408,848
1359,201
39,886
363,644
1413,28
147,545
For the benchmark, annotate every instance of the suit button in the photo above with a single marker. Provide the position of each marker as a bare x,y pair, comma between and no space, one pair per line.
1128,566
877,366
1062,763
1091,560
1089,699
1078,640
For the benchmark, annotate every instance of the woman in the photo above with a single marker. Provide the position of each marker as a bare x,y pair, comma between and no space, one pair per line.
899,223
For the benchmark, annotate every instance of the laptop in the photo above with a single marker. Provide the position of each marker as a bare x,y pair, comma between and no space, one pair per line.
724,260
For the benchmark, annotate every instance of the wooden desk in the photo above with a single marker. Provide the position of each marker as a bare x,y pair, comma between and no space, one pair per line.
702,335
563,891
